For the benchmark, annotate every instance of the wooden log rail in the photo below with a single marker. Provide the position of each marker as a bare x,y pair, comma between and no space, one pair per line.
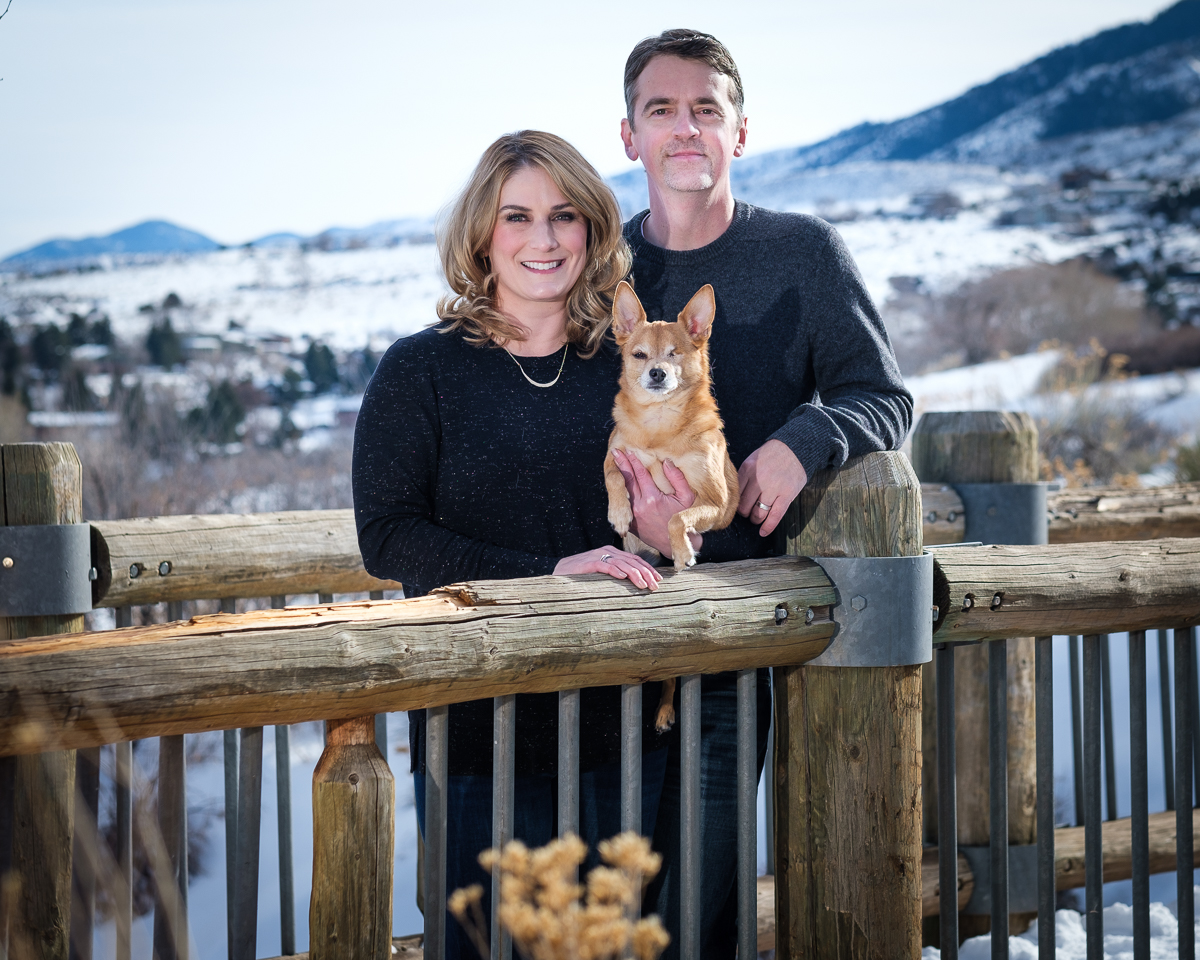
1084,515
996,592
157,559
465,642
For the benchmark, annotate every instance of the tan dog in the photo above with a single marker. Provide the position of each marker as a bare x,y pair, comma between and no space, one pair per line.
665,411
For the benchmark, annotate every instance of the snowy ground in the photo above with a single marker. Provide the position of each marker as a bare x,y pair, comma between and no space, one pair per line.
350,298
1070,937
1170,400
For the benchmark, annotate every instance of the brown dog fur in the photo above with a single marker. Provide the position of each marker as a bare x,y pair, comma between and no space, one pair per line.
669,415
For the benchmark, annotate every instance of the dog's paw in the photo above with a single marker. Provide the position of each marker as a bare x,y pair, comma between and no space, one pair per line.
665,718
682,563
621,517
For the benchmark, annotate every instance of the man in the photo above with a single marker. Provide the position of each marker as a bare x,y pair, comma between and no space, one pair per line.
793,320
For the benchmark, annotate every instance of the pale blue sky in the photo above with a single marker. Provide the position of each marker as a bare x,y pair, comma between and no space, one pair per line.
242,117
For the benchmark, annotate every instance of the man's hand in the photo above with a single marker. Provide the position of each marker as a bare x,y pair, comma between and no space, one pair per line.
769,479
652,508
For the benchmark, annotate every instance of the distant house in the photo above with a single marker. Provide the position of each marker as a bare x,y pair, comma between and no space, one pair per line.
64,424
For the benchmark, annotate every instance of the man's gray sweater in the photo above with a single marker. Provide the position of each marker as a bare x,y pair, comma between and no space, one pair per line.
799,352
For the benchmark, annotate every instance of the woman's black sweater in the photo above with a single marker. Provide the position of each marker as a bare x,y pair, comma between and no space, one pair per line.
463,470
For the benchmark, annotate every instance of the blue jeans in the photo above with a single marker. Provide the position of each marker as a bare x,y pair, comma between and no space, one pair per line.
718,821
469,823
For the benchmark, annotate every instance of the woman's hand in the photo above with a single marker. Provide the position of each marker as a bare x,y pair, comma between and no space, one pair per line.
652,509
615,562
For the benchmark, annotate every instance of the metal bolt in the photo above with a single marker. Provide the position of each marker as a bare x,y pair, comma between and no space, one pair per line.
951,517
93,574
809,615
996,600
937,611
931,517
781,614
164,568
859,603
8,563
135,571
968,602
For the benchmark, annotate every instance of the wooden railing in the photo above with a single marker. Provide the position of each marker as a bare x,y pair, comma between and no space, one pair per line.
344,661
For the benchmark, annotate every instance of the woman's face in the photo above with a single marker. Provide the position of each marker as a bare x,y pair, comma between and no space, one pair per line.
539,245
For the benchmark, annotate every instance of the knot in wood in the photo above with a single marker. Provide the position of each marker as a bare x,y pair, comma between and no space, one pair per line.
353,778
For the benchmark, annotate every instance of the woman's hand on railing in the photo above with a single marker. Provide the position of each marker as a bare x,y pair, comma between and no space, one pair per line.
614,562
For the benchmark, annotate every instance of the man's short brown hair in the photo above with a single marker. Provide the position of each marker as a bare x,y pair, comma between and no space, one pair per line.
687,45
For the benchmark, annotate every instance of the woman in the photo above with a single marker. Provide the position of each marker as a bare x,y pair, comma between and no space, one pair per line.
478,454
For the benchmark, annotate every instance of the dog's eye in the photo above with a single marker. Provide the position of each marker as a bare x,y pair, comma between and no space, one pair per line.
639,355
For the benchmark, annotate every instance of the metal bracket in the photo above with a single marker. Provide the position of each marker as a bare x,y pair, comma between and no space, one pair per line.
1022,879
1013,513
884,613
45,570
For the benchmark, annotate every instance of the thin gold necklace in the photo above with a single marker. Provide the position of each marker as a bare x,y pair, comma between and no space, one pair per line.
530,379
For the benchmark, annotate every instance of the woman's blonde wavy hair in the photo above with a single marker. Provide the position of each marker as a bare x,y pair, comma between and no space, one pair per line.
465,239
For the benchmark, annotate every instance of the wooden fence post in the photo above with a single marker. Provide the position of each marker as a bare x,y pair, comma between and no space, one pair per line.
848,747
984,446
40,483
354,807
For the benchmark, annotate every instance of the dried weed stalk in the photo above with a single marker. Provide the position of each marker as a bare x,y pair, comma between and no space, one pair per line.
541,906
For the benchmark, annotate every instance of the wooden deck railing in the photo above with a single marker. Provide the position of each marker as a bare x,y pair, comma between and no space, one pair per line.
344,661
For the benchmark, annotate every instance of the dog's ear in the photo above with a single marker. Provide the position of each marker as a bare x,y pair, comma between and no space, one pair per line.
697,316
627,312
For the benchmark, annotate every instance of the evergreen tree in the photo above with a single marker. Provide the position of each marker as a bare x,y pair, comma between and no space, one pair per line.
163,345
321,367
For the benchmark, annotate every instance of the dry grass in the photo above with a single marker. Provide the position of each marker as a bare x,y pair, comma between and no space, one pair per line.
541,905
1011,312
124,479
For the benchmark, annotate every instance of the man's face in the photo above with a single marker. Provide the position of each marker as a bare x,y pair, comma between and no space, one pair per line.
686,129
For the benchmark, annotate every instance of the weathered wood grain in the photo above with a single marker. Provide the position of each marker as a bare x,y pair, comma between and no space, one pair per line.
1117,843
41,483
1069,589
848,747
255,555
943,517
1088,515
354,825
470,641
975,446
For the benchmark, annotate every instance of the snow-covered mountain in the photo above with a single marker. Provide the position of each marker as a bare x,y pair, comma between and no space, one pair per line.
151,237
1126,101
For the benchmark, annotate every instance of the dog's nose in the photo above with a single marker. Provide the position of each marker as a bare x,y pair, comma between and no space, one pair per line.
658,374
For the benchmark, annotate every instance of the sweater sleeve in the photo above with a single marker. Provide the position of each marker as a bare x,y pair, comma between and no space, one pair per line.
862,404
394,475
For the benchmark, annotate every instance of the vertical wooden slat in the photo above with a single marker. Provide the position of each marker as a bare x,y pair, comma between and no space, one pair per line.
354,803
42,483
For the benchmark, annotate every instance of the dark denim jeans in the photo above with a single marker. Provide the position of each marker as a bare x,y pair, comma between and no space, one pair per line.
469,823
718,820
